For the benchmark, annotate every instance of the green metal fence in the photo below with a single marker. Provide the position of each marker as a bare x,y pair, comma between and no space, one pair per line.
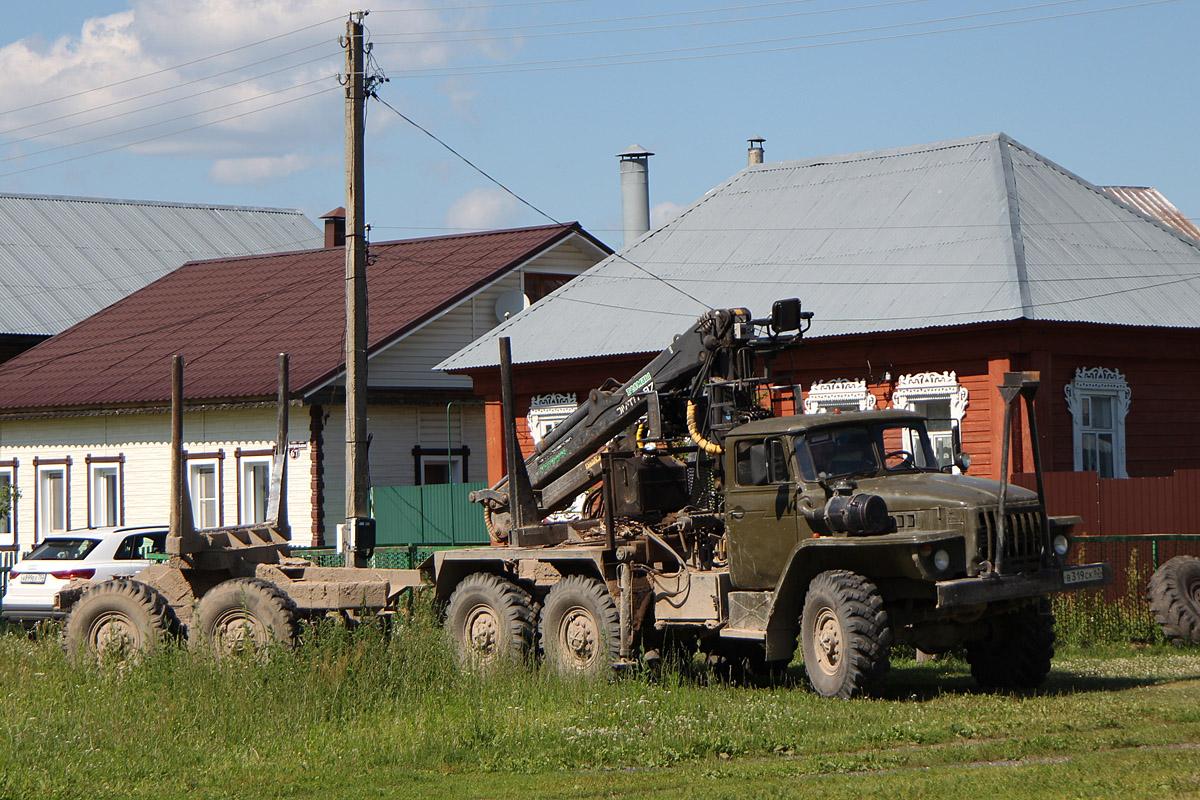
440,515
408,556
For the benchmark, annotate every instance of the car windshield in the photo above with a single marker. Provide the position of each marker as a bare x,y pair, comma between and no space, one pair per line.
865,450
62,549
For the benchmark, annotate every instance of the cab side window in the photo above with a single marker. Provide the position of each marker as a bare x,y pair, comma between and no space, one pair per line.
761,463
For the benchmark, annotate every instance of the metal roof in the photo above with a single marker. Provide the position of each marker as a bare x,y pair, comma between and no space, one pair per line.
62,259
230,317
953,233
1152,203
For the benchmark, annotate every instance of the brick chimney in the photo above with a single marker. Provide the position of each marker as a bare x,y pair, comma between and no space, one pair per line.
755,154
335,227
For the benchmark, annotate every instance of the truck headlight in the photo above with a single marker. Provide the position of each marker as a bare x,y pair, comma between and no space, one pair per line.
1061,545
941,560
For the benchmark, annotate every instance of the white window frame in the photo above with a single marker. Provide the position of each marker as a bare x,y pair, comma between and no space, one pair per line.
8,523
248,465
194,466
46,510
98,500
824,396
1101,382
546,411
919,387
454,461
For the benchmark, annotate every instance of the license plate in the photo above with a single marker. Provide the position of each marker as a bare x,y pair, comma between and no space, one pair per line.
33,577
1082,574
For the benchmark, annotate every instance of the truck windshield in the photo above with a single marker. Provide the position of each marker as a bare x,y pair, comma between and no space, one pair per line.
897,446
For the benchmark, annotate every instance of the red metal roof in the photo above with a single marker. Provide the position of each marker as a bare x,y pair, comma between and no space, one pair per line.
229,318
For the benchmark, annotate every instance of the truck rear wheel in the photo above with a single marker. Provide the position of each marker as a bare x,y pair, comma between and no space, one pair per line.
844,634
580,628
118,620
1018,652
244,615
1174,596
490,619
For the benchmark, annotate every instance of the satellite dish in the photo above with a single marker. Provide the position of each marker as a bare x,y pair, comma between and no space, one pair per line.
510,303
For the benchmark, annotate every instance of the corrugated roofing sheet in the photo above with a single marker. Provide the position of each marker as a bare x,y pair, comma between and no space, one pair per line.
229,318
64,258
1152,203
953,233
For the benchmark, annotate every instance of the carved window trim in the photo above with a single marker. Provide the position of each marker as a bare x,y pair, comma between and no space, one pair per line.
917,387
546,411
822,395
1099,382
95,503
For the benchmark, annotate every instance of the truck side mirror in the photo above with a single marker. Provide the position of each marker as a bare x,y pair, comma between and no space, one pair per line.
961,460
786,315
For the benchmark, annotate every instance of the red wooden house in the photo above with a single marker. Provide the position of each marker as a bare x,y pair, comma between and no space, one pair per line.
932,270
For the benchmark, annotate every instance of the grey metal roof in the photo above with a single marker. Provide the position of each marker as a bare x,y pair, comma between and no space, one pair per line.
954,233
62,259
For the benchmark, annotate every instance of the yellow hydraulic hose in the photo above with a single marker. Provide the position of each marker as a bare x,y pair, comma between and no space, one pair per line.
694,431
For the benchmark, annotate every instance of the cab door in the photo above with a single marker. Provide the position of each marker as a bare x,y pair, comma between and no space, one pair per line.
760,511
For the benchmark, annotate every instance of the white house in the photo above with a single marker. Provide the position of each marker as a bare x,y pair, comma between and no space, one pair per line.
84,416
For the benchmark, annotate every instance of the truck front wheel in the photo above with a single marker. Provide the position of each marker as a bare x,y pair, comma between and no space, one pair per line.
1017,653
844,634
490,619
580,628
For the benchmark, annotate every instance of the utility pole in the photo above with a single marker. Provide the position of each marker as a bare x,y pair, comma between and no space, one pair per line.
359,532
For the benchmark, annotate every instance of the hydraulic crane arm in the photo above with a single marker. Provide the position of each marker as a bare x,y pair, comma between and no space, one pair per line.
721,345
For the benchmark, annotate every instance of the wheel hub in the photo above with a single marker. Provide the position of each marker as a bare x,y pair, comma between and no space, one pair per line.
113,632
482,631
580,636
237,632
827,636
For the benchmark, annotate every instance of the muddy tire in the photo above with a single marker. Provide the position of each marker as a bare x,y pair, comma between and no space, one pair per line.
490,620
244,615
580,629
844,635
118,620
1017,653
1174,597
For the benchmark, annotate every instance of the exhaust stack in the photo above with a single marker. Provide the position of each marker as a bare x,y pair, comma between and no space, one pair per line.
635,192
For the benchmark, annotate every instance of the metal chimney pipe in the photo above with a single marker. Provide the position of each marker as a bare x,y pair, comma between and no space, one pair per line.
755,154
635,191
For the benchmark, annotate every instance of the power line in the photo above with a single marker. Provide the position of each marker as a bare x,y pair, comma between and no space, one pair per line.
155,124
172,68
166,135
667,55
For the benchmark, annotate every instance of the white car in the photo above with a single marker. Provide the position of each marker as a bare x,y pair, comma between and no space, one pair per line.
95,555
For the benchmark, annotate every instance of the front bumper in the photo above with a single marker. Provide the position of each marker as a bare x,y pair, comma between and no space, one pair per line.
17,612
991,588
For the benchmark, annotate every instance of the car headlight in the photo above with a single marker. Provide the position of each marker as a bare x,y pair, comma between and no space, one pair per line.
1061,545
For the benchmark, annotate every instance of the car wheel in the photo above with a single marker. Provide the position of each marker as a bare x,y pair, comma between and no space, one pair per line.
1017,652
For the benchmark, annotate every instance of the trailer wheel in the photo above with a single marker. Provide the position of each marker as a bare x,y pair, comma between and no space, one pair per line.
1018,652
1174,596
490,619
580,628
118,620
243,615
845,635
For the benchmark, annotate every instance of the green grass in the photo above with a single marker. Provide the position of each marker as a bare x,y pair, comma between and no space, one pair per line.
371,714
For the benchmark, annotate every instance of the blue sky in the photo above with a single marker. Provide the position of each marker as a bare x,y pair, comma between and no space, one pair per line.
235,101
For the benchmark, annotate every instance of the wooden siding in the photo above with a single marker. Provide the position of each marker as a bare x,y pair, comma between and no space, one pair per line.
144,441
1160,365
409,362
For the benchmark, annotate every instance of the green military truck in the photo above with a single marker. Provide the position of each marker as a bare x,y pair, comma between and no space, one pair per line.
718,526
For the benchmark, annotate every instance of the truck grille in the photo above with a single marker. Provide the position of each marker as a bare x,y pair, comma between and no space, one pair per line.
1022,538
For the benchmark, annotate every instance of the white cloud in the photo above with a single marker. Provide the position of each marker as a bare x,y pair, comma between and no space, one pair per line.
262,169
661,212
484,209
129,79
